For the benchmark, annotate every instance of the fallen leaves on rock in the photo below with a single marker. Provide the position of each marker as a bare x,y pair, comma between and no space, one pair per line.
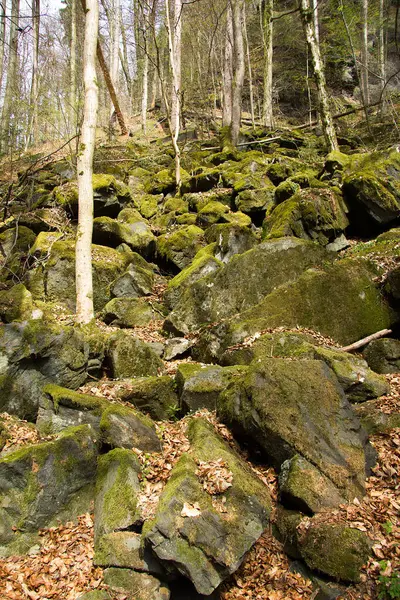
214,476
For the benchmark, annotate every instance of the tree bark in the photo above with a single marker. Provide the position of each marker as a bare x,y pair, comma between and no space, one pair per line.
83,250
34,130
249,69
266,13
319,75
364,52
114,54
238,69
176,70
227,74
72,72
2,38
174,46
12,72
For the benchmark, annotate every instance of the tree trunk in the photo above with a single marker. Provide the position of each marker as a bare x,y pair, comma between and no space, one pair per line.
83,262
174,46
266,12
145,74
34,130
238,69
114,54
249,70
72,72
2,39
176,69
364,52
227,74
382,52
12,72
319,75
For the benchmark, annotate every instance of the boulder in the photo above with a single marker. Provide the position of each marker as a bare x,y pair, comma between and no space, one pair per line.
16,304
14,248
197,201
243,282
124,549
138,235
374,420
340,300
148,204
175,347
230,239
189,534
130,357
116,499
293,407
39,482
313,213
124,427
211,213
136,586
136,281
383,356
178,248
130,312
253,202
33,354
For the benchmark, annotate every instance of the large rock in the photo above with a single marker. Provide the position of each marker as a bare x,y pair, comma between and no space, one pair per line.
16,304
38,482
178,248
374,420
136,586
189,533
230,239
136,281
138,236
243,282
54,279
130,312
383,356
14,247
293,407
124,427
33,354
339,300
130,357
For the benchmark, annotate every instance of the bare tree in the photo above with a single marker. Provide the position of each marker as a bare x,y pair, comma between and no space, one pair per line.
83,262
266,13
12,72
238,68
227,73
72,71
364,53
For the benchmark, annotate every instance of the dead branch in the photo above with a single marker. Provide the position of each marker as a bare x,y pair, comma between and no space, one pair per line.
366,340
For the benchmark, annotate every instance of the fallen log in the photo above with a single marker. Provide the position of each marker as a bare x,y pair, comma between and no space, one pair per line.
366,340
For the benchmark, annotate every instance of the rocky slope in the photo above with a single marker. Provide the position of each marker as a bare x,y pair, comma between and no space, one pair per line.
227,304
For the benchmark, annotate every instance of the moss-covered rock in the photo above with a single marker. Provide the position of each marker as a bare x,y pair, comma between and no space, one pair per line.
303,487
177,205
14,247
383,356
293,407
148,204
130,357
314,213
124,427
16,304
230,239
137,281
335,550
211,213
255,201
199,200
178,248
137,586
137,235
153,395
123,549
209,545
38,482
130,312
243,282
374,420
44,242
340,300
117,494
286,190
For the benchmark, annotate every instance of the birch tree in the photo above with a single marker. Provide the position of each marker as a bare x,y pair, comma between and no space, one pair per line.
266,12
11,86
319,75
238,68
72,71
364,53
227,73
83,262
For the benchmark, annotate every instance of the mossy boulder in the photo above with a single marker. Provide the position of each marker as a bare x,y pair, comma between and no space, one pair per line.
130,312
211,213
16,304
371,188
314,213
303,487
124,549
130,357
14,248
199,386
147,204
207,545
383,356
286,190
135,585
153,395
136,281
138,235
124,427
339,300
335,549
38,482
203,264
117,494
176,205
255,201
197,201
230,239
374,420
33,354
178,248
290,407
242,282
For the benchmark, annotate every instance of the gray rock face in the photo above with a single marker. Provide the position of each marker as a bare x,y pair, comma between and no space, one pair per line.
175,347
297,407
189,533
137,281
123,427
383,356
38,482
129,312
130,357
35,353
230,239
140,586
243,282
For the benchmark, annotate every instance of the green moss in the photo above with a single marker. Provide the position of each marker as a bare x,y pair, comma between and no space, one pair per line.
16,304
122,411
178,205
44,242
64,397
181,246
201,258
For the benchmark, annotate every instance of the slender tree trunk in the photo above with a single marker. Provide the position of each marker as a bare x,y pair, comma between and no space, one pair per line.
364,52
72,72
249,70
12,72
145,73
315,15
124,57
238,70
114,55
83,264
174,46
382,52
35,71
2,38
266,12
176,70
227,74
319,75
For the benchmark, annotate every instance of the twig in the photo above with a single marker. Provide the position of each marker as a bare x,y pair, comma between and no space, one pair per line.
366,340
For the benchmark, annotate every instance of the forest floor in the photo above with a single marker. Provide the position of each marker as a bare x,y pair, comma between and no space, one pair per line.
62,567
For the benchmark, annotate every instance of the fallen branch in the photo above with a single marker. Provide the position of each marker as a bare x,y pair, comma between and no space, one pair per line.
366,340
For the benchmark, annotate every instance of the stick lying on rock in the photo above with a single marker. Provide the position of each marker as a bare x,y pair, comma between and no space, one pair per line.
366,340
